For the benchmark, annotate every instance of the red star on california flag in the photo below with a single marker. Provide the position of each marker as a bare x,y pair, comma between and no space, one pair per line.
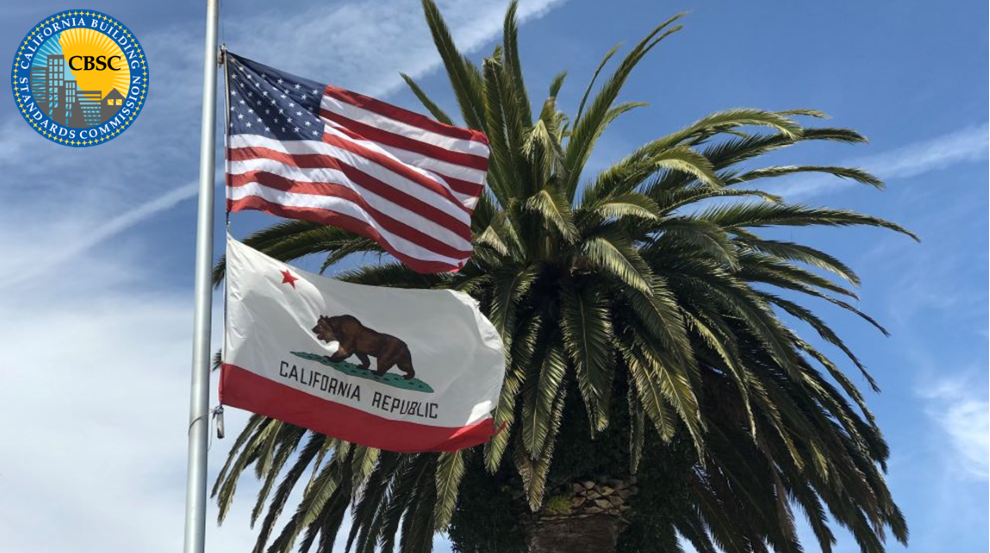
287,278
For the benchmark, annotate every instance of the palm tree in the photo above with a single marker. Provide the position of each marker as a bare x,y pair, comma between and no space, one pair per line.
653,389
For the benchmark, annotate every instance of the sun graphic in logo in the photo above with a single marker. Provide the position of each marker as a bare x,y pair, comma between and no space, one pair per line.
78,44
80,78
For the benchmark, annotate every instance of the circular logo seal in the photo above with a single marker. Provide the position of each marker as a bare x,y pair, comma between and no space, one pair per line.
80,78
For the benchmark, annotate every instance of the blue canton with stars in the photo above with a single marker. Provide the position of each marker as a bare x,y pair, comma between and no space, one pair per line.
272,103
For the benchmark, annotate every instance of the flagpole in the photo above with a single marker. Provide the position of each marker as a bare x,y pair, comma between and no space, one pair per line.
199,401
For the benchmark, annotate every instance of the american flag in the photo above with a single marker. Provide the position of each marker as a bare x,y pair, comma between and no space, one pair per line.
304,150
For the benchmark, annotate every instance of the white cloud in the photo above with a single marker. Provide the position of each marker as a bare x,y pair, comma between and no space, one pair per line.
959,407
94,410
75,235
966,145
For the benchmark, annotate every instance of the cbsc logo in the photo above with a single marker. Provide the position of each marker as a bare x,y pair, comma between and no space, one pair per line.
80,78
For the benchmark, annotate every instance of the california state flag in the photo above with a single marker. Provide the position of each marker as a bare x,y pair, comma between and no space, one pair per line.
401,370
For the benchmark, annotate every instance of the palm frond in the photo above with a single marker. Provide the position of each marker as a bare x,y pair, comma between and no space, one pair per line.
540,392
762,215
430,106
465,85
555,211
617,257
590,125
850,173
586,330
450,470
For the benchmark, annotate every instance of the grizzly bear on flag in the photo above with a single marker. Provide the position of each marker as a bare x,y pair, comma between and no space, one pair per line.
356,339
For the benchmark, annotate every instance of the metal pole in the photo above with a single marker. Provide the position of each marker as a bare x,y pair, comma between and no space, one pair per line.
199,401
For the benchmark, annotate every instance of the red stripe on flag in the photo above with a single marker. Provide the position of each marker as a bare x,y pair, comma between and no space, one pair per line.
397,167
383,189
374,134
467,188
346,222
277,182
245,390
403,115
460,186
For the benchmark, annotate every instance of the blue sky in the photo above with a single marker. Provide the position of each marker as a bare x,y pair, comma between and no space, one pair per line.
96,244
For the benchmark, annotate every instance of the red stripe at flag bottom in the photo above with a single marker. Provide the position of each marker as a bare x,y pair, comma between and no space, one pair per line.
245,390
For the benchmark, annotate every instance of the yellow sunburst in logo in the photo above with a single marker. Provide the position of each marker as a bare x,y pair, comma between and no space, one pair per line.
97,46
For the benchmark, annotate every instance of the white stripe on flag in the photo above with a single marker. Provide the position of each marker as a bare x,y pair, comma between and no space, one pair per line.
387,151
333,176
435,169
336,205
371,168
406,130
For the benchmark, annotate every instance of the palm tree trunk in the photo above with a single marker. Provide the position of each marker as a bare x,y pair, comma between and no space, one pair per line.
576,534
583,516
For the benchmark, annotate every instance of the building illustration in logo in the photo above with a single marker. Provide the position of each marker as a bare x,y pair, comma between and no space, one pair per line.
55,87
79,78
90,106
38,87
111,103
64,102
